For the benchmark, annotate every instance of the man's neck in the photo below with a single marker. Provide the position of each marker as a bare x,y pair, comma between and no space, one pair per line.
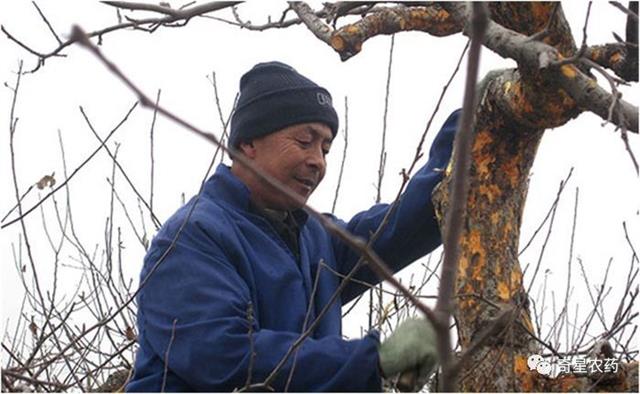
272,214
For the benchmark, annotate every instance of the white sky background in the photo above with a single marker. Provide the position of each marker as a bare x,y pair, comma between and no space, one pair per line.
178,60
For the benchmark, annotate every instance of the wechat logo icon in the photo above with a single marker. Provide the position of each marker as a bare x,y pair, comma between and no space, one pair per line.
535,361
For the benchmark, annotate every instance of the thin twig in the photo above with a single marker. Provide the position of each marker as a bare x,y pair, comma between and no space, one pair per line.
543,248
153,163
460,185
13,123
383,153
166,356
28,211
563,183
18,376
356,243
584,28
46,21
496,325
252,353
16,206
155,220
568,285
344,154
183,15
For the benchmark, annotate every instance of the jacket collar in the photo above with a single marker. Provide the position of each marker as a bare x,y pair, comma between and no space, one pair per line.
225,186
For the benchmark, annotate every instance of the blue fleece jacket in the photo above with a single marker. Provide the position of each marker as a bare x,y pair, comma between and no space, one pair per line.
219,284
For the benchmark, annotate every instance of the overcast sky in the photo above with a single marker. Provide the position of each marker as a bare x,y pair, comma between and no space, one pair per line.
178,61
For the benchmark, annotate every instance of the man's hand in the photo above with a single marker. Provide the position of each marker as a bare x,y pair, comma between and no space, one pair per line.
410,348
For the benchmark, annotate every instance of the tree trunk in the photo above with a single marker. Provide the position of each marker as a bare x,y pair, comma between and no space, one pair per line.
513,111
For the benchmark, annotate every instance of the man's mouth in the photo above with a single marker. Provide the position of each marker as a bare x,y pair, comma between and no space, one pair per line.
307,182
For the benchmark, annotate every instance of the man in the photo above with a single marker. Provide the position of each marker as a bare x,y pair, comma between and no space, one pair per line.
237,274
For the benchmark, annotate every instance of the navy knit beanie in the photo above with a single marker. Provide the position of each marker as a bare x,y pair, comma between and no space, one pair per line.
273,96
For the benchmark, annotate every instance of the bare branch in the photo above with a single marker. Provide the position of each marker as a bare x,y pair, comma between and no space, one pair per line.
460,184
133,6
43,383
151,150
357,244
155,220
28,211
46,21
344,154
166,355
631,14
179,15
383,153
315,24
348,40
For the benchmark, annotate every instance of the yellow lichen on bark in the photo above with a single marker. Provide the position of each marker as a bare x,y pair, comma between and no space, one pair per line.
495,217
526,320
490,191
516,278
503,291
508,285
521,104
442,15
521,368
541,12
557,107
403,24
507,87
569,383
511,170
466,302
568,70
474,245
463,265
615,58
483,160
416,17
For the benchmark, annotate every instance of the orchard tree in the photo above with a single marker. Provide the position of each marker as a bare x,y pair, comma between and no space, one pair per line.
479,203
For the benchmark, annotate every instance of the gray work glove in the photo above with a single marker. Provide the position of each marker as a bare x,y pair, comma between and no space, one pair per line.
410,348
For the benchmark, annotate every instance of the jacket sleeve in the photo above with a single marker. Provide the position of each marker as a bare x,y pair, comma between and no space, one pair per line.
412,230
195,313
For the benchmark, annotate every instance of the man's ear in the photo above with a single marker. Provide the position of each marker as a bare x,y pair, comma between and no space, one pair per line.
248,149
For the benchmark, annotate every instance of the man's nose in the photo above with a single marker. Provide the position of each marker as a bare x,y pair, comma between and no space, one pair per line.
316,159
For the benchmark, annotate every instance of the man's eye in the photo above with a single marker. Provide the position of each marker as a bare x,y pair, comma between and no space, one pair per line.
304,144
325,152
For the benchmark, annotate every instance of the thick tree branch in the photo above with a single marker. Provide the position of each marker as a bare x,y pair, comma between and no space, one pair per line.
533,57
588,95
433,19
328,13
616,57
539,58
320,29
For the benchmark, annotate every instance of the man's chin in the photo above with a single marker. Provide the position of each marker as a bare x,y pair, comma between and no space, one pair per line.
300,202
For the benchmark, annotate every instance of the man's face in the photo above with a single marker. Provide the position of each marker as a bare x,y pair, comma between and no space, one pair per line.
295,156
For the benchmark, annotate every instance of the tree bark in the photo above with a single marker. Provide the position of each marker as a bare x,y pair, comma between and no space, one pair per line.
514,109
